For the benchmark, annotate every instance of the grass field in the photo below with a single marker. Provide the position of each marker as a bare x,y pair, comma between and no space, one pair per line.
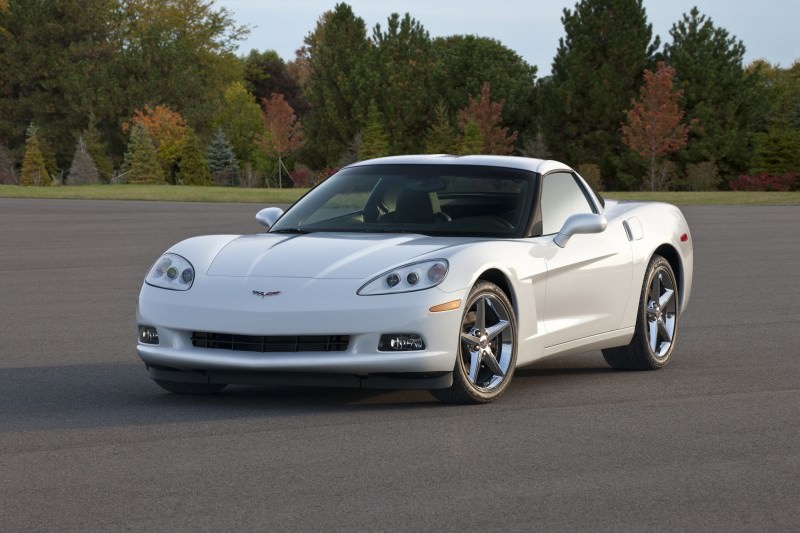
185,193
159,193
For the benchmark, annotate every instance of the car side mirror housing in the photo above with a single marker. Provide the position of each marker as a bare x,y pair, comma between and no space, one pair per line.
580,223
269,216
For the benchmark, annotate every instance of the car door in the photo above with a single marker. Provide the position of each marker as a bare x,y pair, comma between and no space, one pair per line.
588,280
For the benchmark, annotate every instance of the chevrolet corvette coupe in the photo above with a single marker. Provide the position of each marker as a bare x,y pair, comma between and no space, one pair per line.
421,272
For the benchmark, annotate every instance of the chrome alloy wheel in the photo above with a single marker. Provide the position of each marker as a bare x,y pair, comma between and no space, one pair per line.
661,312
487,342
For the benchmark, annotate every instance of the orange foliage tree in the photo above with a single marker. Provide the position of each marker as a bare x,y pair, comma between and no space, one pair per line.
654,128
283,135
167,129
487,116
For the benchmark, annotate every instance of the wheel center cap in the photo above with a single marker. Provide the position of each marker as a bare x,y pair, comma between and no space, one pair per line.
484,342
655,311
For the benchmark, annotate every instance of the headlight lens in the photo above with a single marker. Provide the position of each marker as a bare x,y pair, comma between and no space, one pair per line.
407,278
171,271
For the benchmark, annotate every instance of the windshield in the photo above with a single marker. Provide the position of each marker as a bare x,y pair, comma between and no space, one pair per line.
429,199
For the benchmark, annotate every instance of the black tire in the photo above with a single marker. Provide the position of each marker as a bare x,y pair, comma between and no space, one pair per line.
487,348
180,387
656,322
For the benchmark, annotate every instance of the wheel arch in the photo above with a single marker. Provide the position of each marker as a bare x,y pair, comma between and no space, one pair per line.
500,279
668,252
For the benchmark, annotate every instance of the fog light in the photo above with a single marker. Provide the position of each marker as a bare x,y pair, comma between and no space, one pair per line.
148,335
401,342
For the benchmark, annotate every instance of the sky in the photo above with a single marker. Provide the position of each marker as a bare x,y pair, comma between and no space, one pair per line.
532,28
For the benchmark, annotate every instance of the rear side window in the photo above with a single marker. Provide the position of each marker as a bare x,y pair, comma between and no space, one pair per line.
562,197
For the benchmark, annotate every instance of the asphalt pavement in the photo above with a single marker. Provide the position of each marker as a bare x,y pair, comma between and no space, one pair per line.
89,443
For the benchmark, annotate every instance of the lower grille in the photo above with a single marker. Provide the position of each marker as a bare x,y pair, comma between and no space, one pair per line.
270,344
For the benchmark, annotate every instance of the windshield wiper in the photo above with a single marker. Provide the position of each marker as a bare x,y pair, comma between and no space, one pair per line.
293,231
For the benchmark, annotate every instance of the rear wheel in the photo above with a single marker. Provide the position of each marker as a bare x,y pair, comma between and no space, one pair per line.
487,351
180,387
656,323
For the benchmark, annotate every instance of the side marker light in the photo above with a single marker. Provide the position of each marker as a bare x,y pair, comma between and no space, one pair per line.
447,306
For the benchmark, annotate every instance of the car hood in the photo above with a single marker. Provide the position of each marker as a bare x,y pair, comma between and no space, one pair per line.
321,255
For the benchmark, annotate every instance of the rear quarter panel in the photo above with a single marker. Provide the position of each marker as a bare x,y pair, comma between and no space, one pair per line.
661,228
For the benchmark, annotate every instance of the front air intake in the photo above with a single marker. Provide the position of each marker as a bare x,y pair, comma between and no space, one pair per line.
270,343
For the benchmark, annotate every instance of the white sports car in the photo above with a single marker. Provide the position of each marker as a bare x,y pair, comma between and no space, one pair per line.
434,272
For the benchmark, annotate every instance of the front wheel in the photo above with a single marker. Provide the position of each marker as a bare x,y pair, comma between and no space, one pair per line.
487,352
656,322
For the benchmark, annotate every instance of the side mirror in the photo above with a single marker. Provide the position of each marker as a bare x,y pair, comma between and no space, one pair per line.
580,223
269,216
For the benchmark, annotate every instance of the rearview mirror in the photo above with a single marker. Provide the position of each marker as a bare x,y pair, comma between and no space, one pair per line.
269,216
580,223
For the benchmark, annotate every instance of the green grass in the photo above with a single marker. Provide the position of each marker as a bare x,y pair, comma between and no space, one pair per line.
161,193
186,193
711,197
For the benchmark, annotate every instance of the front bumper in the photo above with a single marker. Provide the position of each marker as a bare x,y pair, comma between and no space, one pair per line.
300,307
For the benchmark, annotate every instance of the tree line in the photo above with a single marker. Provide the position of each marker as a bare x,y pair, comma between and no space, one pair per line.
152,91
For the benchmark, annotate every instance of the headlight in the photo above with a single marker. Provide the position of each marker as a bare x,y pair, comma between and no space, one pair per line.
407,278
171,271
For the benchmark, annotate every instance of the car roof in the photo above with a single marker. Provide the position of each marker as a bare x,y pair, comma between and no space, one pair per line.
541,166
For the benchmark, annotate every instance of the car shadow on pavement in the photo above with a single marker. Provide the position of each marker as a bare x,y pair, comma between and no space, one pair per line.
105,395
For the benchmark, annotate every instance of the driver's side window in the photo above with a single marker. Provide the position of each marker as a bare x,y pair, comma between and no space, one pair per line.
562,197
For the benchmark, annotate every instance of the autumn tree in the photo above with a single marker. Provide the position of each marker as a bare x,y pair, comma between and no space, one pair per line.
83,171
193,165
654,128
595,73
464,62
167,130
34,170
374,139
487,115
719,97
141,164
266,73
283,135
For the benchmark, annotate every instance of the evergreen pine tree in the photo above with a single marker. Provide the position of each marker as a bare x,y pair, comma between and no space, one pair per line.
221,160
441,137
777,150
375,139
193,165
34,171
98,150
472,140
141,161
340,83
83,170
7,174
719,97
597,71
